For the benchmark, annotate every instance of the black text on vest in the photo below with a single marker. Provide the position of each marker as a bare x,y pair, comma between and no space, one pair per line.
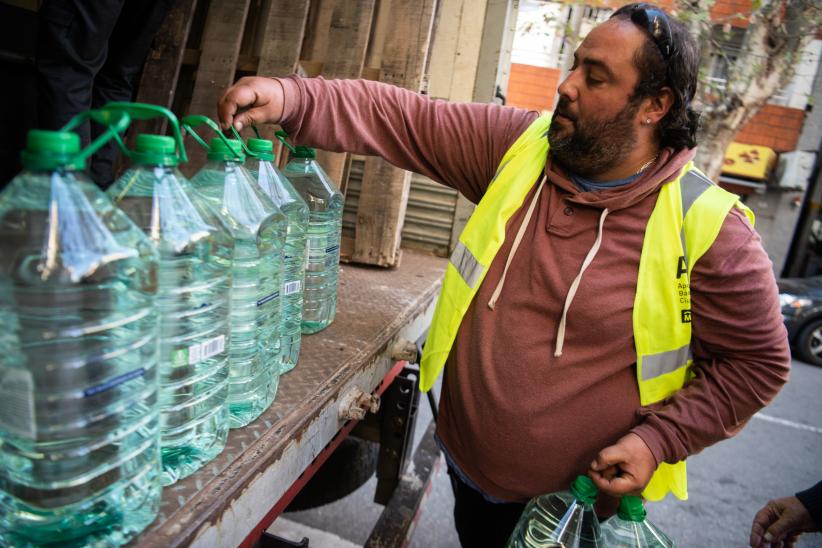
682,267
686,316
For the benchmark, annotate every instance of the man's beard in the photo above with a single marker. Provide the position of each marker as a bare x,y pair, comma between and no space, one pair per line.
593,147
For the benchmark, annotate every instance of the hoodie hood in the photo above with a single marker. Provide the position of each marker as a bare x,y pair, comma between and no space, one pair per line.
666,167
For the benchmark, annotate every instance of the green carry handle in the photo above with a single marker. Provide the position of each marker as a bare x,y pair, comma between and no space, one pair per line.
239,137
283,136
116,122
144,111
194,120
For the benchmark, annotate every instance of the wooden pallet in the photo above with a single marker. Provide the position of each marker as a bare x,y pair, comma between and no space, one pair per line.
206,45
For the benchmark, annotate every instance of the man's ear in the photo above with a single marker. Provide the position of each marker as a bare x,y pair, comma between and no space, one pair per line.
659,105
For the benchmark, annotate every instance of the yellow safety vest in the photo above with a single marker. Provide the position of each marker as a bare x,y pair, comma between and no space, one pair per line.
688,215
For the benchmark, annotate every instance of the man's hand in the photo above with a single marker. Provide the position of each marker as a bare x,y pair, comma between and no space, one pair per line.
780,522
624,468
252,100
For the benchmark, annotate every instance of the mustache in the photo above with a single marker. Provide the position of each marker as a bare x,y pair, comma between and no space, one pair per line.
563,110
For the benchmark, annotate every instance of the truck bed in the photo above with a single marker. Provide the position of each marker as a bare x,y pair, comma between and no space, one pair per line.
228,501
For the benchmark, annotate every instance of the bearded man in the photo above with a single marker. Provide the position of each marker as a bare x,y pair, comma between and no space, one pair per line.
607,310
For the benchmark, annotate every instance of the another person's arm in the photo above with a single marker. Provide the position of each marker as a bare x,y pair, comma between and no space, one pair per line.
457,144
781,521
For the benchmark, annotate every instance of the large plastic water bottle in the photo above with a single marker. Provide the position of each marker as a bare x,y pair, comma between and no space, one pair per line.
259,231
629,528
195,251
565,519
283,194
325,207
79,444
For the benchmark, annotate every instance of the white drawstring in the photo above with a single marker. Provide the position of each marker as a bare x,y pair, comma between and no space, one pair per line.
575,285
493,302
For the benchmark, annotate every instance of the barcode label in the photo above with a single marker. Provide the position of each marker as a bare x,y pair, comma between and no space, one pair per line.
198,352
289,288
212,347
17,403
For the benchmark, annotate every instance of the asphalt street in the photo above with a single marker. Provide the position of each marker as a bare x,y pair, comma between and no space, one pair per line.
778,453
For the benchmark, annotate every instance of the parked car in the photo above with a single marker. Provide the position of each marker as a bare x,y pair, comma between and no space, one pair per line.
801,301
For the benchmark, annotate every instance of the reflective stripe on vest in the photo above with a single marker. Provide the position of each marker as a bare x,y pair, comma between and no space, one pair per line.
685,222
479,242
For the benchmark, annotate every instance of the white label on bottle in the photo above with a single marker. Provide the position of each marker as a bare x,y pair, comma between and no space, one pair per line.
211,348
289,288
17,403
194,352
198,352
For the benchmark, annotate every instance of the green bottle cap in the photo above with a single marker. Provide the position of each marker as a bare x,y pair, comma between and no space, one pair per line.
47,150
219,151
584,489
156,150
304,152
631,508
262,147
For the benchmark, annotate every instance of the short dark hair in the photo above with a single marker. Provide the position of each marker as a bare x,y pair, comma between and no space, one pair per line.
679,72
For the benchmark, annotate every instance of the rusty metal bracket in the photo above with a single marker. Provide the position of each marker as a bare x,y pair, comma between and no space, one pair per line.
356,404
405,350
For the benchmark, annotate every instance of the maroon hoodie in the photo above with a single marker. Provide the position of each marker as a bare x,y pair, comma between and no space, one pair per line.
517,420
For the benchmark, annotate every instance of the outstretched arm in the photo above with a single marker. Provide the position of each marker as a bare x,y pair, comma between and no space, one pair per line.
457,144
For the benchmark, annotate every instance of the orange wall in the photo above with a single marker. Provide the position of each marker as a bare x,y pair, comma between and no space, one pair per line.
531,87
775,127
724,10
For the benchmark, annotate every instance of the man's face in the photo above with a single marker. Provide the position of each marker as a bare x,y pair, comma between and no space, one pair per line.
594,126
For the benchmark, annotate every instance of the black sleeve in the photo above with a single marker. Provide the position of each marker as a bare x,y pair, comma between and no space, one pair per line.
812,500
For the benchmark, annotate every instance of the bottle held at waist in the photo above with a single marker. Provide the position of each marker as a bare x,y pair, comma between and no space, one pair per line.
565,519
629,528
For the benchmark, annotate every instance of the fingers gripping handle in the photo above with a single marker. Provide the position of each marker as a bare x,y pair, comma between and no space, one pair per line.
194,120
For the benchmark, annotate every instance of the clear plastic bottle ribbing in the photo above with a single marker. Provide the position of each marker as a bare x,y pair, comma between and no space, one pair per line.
259,230
79,444
325,207
195,251
629,528
282,193
565,519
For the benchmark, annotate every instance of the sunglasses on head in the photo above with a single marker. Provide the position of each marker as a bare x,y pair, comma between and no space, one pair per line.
655,21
